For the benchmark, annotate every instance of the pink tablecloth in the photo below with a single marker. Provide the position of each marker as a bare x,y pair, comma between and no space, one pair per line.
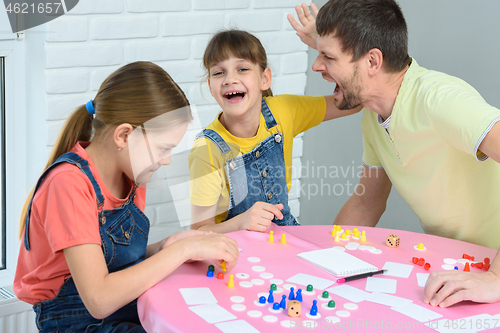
163,309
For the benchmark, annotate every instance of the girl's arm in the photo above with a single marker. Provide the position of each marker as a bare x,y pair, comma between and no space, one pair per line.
257,218
103,293
333,112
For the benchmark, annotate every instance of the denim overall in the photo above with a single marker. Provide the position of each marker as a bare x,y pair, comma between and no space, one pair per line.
124,236
259,175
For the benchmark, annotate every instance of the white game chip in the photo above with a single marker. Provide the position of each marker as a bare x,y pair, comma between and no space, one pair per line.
343,313
242,275
253,259
237,299
254,313
246,284
258,268
238,307
270,318
266,275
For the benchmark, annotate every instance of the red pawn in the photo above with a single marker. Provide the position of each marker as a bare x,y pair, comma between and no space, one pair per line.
427,266
220,276
414,260
466,256
478,265
421,261
466,268
487,261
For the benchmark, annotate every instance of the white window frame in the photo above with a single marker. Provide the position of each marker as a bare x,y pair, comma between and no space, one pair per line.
13,50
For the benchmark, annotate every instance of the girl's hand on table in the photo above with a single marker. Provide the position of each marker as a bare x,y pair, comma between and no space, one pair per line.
212,246
259,216
445,288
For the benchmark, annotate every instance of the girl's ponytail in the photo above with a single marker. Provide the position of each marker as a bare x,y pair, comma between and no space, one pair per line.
78,127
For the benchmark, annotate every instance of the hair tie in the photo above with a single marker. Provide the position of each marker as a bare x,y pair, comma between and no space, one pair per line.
90,107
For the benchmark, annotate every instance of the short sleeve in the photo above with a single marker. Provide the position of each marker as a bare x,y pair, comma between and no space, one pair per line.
206,180
67,208
460,115
305,111
370,157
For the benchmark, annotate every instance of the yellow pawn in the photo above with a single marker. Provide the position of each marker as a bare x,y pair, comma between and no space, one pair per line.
223,266
337,238
348,232
334,230
420,246
363,236
230,284
283,239
356,234
355,230
343,236
271,237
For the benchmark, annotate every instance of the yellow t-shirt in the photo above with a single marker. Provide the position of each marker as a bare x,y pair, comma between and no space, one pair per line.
430,154
209,184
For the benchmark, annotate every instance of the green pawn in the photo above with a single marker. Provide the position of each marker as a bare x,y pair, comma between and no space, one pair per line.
331,304
273,287
211,268
309,287
325,294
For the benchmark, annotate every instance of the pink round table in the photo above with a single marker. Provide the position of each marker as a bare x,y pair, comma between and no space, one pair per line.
163,308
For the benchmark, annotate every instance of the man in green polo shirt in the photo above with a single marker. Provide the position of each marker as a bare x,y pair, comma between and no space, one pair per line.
430,135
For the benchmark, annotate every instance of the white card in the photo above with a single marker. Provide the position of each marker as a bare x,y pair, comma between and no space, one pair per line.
381,285
212,313
418,312
193,296
305,279
422,279
389,300
397,270
349,293
239,326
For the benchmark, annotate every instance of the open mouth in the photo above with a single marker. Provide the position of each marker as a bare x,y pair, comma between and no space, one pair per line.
235,95
337,88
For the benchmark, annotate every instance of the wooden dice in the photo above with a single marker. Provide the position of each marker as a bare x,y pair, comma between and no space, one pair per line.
392,240
294,308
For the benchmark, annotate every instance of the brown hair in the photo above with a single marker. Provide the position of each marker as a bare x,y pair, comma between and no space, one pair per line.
133,94
236,43
362,25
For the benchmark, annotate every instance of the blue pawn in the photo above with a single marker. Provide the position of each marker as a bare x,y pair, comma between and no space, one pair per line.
291,297
276,306
456,268
314,309
298,297
283,302
270,299
210,273
262,300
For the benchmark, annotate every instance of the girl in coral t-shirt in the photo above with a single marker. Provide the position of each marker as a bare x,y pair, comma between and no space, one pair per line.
84,258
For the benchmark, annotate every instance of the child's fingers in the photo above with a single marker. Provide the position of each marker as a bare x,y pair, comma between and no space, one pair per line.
314,9
302,13
293,23
275,210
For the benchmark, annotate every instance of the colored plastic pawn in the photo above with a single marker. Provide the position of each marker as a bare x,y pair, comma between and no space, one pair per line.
348,232
421,261
487,261
334,230
456,268
283,239
298,297
414,260
331,304
262,300
220,276
466,256
314,308
427,266
283,302
210,273
466,268
343,236
486,267
230,283
276,306
355,230
273,287
363,236
309,287
271,237
270,299
223,266
477,265
211,268
291,297
325,294
337,238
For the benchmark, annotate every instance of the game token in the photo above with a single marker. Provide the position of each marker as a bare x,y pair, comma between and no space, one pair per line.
242,275
332,319
246,284
363,236
266,275
447,267
283,239
287,323
253,259
230,283
210,273
271,237
350,306
419,247
298,296
449,261
291,296
283,302
270,299
220,276
237,299
254,313
258,282
276,281
343,313
211,268
270,318
238,307
258,268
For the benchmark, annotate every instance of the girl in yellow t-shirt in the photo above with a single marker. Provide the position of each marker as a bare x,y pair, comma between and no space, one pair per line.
240,165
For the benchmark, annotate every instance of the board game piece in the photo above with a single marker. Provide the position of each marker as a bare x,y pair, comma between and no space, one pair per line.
486,267
283,302
314,309
230,283
210,273
414,260
477,265
298,297
331,304
392,240
466,256
223,266
266,275
274,287
271,237
276,306
309,287
283,239
348,233
291,296
220,275
427,266
343,236
420,247
487,261
350,306
270,318
466,268
421,261
237,299
294,308
363,236
270,299
456,268
262,300
337,238
211,268
325,294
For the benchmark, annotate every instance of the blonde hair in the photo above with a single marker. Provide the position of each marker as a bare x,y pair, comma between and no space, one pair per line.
236,43
133,94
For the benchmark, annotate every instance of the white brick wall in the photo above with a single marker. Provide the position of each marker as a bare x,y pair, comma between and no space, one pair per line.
98,36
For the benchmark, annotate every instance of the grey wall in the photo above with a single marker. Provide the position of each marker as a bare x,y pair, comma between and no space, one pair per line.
457,37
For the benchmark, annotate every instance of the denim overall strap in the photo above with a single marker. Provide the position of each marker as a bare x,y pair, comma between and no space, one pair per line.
215,138
83,165
268,115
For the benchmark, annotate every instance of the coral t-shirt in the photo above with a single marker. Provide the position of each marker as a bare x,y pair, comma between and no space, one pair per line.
63,214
